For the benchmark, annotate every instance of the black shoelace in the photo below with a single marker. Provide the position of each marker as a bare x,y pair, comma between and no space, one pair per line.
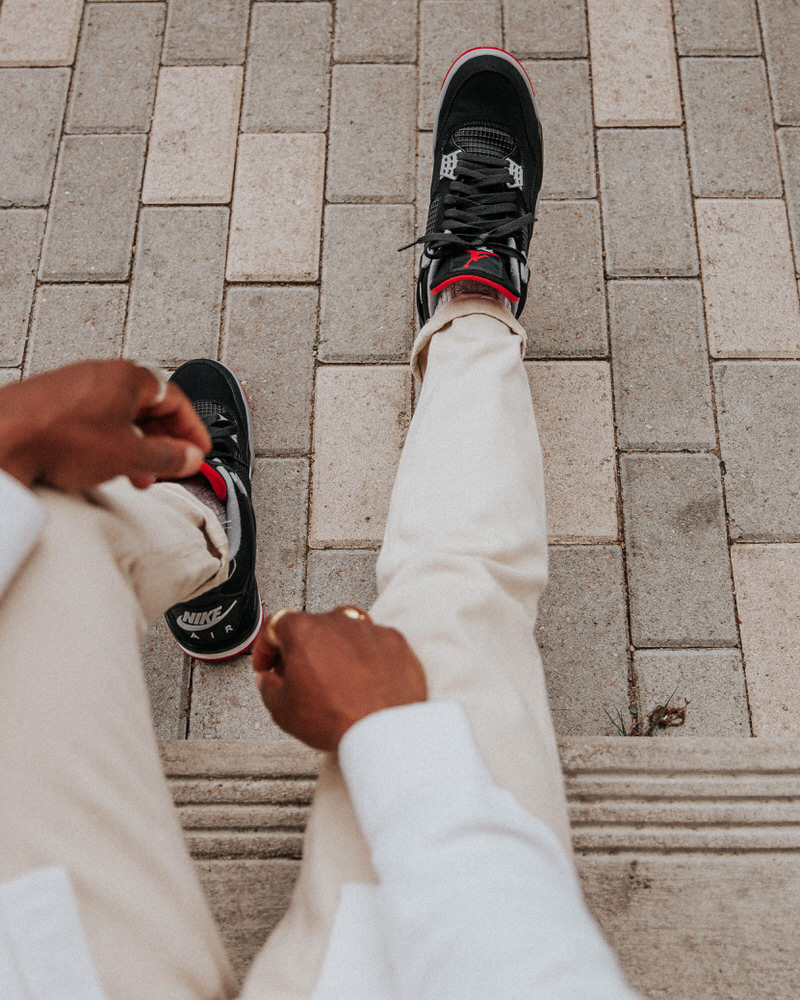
224,443
480,210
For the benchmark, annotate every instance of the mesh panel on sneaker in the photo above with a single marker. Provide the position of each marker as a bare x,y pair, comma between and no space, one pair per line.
483,138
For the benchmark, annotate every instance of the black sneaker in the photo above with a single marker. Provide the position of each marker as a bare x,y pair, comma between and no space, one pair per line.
487,173
225,621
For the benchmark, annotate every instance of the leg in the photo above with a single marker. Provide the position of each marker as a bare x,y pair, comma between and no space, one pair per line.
463,564
81,782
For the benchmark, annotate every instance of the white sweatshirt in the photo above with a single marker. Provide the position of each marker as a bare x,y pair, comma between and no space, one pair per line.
476,898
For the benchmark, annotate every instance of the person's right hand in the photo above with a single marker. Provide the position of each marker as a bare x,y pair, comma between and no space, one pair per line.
329,671
81,425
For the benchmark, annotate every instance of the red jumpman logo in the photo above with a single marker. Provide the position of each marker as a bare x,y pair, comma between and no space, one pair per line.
477,255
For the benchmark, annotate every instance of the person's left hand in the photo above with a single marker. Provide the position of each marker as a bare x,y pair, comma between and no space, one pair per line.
78,426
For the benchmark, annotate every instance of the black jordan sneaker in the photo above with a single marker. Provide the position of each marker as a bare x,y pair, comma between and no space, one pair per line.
225,621
487,174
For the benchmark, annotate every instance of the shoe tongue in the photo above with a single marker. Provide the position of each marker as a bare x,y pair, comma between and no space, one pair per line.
482,266
484,139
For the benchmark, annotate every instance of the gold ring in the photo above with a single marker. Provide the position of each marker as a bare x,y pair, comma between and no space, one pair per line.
269,628
358,614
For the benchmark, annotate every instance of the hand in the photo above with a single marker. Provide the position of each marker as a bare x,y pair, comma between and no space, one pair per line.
79,426
329,671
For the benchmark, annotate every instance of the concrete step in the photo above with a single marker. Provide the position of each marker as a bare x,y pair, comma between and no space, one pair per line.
688,850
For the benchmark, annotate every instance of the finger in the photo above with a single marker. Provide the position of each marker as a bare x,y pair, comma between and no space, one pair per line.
175,417
270,686
164,457
265,656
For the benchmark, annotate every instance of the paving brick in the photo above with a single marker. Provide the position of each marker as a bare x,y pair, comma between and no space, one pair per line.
367,161
9,376
206,31
341,576
39,32
280,499
780,22
759,430
363,37
789,144
710,28
92,217
537,28
73,322
226,704
366,408
367,316
448,28
277,208
20,239
193,139
269,339
166,673
572,403
287,68
176,296
709,683
564,103
678,570
662,384
583,637
634,71
748,279
31,108
767,583
116,68
729,124
647,204
565,313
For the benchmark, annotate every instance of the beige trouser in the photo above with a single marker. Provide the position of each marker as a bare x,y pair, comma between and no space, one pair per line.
463,564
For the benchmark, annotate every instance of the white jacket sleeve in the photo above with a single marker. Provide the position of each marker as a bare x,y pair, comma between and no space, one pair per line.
476,897
21,521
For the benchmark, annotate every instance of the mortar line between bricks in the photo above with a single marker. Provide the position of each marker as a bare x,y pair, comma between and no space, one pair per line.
633,680
718,452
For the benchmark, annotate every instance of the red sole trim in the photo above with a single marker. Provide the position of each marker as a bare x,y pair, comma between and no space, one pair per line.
484,281
215,480
487,48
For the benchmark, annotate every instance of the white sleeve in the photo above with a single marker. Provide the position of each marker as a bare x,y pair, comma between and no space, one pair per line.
477,897
21,521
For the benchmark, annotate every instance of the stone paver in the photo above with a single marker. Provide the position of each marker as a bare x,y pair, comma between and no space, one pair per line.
448,28
287,69
647,205
572,403
729,125
206,31
711,28
564,103
20,239
176,297
193,140
226,704
634,71
268,341
789,145
780,22
31,108
767,583
748,278
116,68
678,569
545,28
166,672
367,161
367,317
565,313
660,364
280,499
72,322
340,576
39,32
759,432
709,683
92,217
277,208
583,638
361,37
369,407
9,376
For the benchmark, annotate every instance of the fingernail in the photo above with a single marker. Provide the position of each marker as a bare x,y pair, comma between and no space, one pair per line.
193,459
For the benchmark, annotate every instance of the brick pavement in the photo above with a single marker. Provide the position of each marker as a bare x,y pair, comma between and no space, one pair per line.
205,177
